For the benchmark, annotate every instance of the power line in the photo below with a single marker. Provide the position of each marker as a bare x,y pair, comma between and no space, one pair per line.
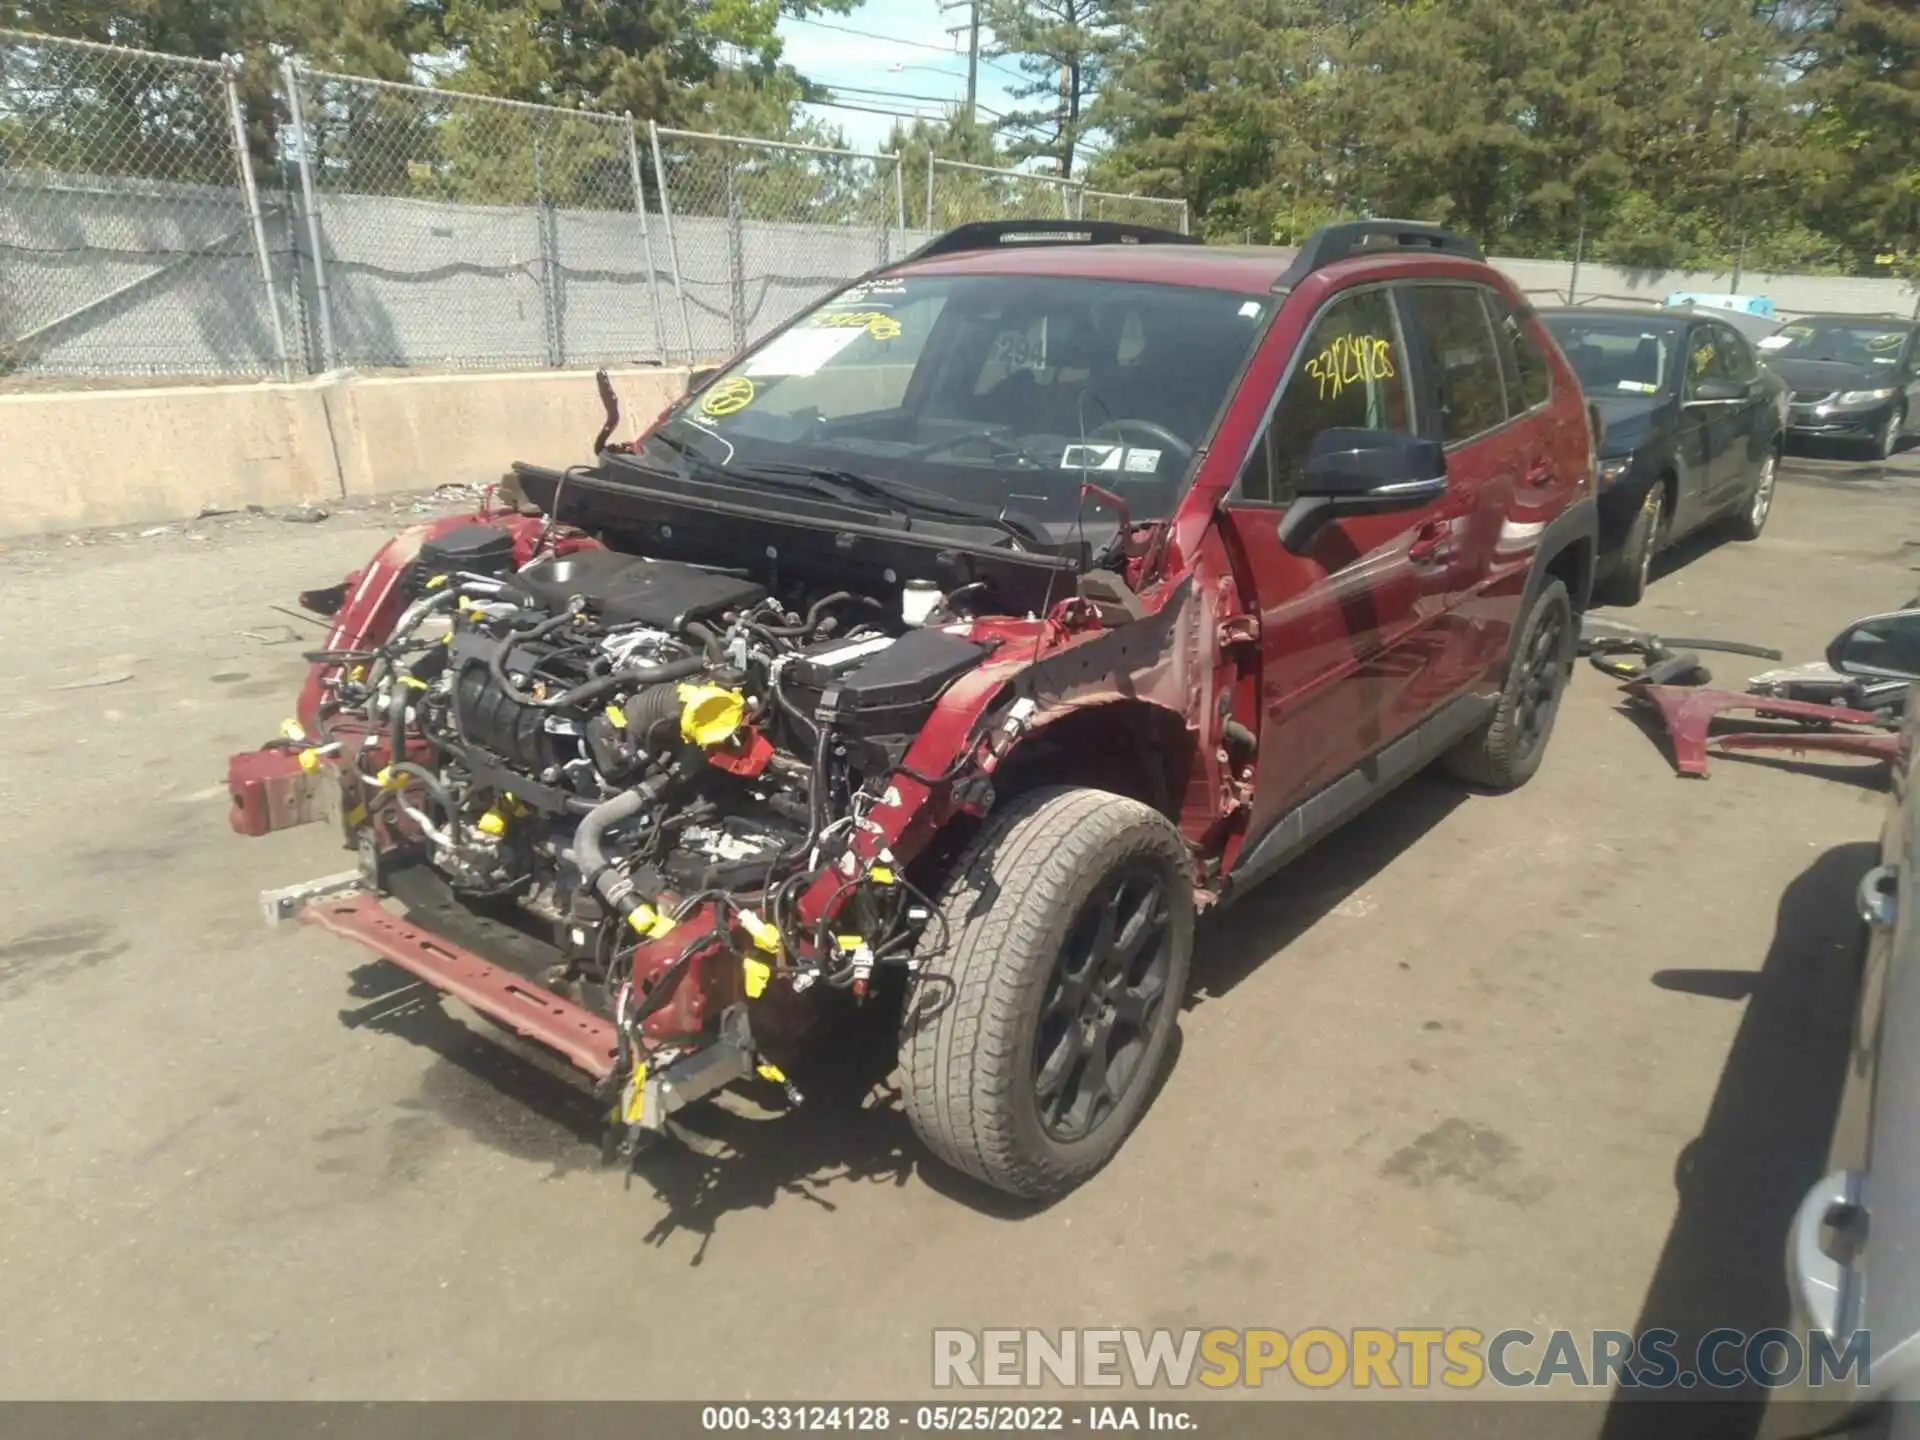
872,35
891,94
869,109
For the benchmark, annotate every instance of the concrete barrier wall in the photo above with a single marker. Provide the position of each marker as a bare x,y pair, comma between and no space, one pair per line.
77,459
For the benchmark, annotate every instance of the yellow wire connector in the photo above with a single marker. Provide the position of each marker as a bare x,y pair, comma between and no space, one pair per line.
754,975
764,932
616,717
650,923
880,875
633,1105
491,823
767,1070
710,714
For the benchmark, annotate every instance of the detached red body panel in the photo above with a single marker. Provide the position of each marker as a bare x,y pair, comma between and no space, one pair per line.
1688,714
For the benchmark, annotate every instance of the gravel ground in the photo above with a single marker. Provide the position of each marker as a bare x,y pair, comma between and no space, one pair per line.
1562,1058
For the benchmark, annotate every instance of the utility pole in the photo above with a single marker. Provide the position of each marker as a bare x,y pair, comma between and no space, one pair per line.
972,27
973,56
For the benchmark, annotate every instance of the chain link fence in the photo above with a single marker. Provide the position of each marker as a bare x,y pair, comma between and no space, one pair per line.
132,241
761,228
462,231
959,194
147,229
1133,209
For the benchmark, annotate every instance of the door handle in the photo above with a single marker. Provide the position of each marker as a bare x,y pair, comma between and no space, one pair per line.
1820,1282
1878,899
1430,543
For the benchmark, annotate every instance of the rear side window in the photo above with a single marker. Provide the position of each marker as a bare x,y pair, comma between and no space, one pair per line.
1529,382
1463,366
1351,372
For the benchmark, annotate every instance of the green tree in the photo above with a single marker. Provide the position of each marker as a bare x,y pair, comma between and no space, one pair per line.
1866,80
1234,106
1061,48
957,195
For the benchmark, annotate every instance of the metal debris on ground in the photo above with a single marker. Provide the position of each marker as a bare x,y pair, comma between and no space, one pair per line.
1664,675
306,514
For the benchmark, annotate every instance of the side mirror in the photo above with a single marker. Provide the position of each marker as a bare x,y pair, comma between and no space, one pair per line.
1361,472
1717,389
698,375
1880,647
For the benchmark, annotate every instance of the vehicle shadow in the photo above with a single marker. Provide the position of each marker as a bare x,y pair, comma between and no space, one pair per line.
1234,942
1695,545
1763,1144
749,1150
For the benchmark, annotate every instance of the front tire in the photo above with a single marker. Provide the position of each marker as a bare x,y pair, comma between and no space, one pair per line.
1504,753
1882,446
1634,568
1748,524
1048,989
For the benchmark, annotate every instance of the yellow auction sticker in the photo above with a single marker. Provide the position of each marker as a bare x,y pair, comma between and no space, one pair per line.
728,397
877,323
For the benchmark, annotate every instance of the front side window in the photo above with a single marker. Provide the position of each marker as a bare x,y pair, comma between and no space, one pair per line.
1707,358
997,390
1351,373
1461,359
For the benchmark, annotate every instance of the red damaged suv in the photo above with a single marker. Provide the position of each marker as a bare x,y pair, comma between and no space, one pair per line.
941,657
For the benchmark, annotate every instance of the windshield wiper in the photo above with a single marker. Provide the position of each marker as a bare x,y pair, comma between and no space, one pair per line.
907,499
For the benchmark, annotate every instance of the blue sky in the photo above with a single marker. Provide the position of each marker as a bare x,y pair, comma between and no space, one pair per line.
929,62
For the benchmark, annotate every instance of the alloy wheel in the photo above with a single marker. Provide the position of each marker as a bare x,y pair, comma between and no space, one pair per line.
1106,995
1542,674
1654,509
1763,492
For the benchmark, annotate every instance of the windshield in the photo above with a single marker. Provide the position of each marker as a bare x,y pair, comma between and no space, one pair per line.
996,391
1614,355
1852,342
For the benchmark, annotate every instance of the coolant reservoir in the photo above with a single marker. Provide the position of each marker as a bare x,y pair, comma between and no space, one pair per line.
918,600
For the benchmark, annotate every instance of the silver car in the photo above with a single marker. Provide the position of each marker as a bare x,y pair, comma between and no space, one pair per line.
1853,1252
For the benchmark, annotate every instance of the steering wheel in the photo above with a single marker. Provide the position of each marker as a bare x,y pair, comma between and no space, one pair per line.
1117,429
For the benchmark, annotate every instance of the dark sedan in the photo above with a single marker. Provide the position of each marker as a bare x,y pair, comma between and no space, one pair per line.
1854,378
1692,431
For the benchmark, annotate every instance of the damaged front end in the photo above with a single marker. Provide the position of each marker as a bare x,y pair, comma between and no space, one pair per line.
717,794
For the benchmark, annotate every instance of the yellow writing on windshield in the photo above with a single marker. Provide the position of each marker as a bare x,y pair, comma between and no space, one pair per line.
1351,360
728,397
877,323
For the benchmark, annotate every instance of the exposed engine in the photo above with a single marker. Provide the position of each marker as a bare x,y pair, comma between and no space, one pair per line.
610,743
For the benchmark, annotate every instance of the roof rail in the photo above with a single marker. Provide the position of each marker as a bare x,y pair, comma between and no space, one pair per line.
1349,238
996,234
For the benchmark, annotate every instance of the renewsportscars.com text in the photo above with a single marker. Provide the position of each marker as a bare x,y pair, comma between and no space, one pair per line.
1460,1358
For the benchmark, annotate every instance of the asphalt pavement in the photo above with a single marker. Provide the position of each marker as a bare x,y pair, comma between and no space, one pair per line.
1560,1058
